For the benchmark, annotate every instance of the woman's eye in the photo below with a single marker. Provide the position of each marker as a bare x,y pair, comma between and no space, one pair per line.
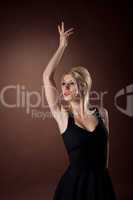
72,83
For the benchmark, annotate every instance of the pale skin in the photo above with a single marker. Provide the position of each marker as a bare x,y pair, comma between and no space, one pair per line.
68,84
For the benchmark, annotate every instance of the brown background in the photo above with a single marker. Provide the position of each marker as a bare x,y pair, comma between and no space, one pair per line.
32,154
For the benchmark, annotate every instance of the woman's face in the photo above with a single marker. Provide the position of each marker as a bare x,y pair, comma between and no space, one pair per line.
69,87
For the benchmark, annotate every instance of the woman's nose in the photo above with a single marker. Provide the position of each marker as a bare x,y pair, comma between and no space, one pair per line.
67,86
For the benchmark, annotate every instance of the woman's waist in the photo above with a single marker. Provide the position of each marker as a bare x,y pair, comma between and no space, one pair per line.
87,164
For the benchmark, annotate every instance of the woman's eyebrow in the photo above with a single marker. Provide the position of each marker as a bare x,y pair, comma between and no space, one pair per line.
67,81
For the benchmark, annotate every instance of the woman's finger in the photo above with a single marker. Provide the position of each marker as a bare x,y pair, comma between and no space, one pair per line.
70,33
59,29
69,30
62,26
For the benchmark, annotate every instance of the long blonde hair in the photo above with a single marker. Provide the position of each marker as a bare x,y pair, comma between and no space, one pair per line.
84,82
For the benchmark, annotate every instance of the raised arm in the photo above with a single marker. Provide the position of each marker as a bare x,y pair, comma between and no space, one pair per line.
51,92
105,117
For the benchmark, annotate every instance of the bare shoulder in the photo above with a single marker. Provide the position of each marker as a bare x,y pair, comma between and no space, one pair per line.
103,111
105,116
60,114
61,119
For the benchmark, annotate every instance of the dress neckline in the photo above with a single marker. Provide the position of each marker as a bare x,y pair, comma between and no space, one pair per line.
85,129
70,115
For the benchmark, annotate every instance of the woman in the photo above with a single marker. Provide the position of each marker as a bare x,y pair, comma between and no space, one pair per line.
84,130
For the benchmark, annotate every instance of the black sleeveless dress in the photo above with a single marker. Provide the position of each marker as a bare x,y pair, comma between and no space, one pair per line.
87,176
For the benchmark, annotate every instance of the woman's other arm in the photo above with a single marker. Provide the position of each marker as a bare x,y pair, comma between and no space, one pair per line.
105,117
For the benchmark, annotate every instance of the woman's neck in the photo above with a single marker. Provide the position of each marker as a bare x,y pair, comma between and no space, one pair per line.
77,108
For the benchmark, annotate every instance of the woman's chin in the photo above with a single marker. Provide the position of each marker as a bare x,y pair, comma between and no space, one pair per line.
68,98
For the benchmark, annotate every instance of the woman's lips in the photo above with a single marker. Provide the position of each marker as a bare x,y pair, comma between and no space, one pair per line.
67,93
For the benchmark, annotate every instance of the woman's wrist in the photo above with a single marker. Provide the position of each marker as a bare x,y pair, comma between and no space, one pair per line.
62,47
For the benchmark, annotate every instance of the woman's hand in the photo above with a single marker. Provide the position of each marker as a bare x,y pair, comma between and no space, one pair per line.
64,35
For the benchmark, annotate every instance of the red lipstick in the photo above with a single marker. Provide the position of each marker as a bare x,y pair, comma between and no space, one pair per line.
67,93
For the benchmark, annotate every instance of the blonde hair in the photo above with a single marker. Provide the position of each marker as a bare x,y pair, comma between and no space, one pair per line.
84,82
